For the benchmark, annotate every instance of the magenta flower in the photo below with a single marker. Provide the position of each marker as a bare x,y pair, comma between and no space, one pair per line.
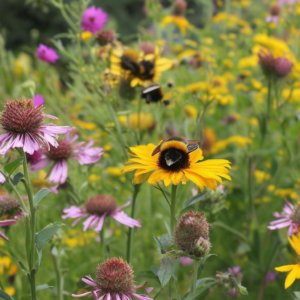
234,271
6,223
84,154
271,276
47,54
289,218
38,100
114,281
186,261
93,19
273,19
96,209
2,178
24,127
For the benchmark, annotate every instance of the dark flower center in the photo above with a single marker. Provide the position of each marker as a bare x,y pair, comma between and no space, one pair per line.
174,160
92,19
146,70
101,204
21,116
128,64
63,151
9,207
115,276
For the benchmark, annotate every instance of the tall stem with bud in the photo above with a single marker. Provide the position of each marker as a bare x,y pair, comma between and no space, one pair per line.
31,257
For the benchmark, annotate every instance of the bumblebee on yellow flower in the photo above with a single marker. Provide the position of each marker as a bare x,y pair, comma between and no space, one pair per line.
294,270
139,68
176,160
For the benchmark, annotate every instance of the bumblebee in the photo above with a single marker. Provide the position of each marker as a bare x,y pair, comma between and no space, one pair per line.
155,93
174,151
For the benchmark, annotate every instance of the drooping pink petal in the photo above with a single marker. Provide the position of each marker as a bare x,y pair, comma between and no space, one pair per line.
59,172
81,295
43,163
88,222
38,100
100,223
121,217
89,280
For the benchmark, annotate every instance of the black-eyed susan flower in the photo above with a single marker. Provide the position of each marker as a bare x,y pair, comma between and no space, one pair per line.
139,68
294,270
176,160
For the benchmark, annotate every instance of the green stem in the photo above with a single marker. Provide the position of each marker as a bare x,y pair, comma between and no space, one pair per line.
59,277
102,241
195,276
118,127
32,269
173,207
269,96
130,230
250,187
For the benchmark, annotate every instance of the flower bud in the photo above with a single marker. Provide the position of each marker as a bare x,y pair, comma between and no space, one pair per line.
191,227
105,36
275,10
146,47
202,247
179,7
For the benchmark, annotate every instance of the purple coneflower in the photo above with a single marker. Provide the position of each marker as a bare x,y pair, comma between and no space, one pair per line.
24,127
64,151
114,281
93,19
96,209
46,54
289,218
38,100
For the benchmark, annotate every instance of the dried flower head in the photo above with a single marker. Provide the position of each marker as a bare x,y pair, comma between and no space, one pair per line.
276,67
179,7
146,47
105,36
10,208
101,204
191,233
275,10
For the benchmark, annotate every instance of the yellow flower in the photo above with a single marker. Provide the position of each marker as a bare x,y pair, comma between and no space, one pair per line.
143,120
85,125
174,161
138,68
191,111
114,171
10,290
181,22
294,270
261,176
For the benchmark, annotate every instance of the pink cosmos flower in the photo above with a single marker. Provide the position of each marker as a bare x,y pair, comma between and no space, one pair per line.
93,19
6,223
96,209
186,261
24,127
114,281
289,218
84,154
46,54
38,100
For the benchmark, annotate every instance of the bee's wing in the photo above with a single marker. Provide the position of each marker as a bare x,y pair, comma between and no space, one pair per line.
156,150
193,142
192,147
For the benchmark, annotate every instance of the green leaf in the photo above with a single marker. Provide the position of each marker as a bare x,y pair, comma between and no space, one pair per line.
159,245
40,255
9,168
274,167
146,274
154,270
239,287
297,295
4,296
165,271
203,260
164,241
44,236
168,228
40,195
43,287
194,200
17,178
202,285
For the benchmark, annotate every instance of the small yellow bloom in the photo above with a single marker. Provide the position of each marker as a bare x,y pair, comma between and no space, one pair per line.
114,171
181,22
294,270
190,111
143,121
10,290
86,35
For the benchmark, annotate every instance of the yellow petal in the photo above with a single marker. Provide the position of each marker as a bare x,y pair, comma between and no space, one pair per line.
286,268
291,277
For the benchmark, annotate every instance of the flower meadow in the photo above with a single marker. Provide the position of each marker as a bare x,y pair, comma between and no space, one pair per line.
159,165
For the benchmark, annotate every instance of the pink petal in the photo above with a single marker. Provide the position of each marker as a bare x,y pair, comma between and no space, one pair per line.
122,218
